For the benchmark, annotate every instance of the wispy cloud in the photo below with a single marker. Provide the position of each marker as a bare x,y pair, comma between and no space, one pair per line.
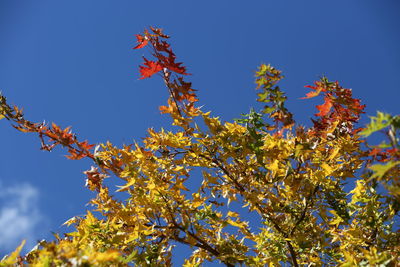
19,216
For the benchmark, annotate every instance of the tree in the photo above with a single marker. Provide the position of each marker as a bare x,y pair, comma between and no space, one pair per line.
318,195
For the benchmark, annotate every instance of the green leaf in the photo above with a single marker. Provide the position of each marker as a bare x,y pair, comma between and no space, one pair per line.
130,258
381,169
268,109
381,121
262,97
384,145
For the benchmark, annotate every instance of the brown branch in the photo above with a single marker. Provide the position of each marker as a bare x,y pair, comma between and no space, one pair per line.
166,75
292,253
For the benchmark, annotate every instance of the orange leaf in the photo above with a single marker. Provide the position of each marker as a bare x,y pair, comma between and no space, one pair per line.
325,107
165,109
375,152
85,145
311,94
142,41
75,154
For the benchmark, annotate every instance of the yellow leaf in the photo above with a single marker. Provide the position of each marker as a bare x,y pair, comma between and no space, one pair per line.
236,224
133,236
210,179
197,200
274,166
358,191
232,214
179,185
13,258
334,152
104,257
328,169
131,182
151,185
71,221
178,168
336,220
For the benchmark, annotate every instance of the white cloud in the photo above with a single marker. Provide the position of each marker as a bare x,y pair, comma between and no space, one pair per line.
19,216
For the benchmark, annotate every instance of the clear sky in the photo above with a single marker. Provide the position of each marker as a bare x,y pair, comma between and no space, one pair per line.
71,62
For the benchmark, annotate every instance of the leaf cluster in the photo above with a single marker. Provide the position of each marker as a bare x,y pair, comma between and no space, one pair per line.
259,191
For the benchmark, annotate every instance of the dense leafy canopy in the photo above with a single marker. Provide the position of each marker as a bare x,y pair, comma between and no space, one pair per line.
316,195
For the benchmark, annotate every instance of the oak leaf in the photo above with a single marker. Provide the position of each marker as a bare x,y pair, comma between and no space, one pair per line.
142,41
325,107
318,88
150,68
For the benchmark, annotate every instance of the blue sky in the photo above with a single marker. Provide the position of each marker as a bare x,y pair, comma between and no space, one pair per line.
71,62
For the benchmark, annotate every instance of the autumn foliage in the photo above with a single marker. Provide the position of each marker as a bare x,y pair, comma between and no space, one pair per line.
259,191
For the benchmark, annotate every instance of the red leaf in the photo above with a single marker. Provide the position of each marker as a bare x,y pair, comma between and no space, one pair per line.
163,46
169,63
142,41
159,32
151,69
392,150
374,152
94,178
325,107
